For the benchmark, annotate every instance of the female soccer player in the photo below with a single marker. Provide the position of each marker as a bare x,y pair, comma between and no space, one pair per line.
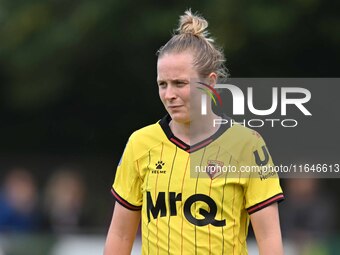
185,209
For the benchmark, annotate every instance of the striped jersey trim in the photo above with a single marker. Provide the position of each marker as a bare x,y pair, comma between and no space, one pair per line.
164,123
269,201
125,203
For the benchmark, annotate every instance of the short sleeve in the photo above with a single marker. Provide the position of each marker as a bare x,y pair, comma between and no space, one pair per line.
127,184
263,187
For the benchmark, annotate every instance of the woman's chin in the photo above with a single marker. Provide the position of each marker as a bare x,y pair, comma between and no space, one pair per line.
180,118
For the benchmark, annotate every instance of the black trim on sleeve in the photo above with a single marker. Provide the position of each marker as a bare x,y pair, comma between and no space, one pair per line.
276,198
125,203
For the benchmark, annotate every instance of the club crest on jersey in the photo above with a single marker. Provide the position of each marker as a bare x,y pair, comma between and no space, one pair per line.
214,168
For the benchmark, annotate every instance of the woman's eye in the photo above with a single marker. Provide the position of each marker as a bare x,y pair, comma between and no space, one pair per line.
180,83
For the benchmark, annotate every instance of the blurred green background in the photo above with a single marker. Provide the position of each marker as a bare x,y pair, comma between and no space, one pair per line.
71,72
77,77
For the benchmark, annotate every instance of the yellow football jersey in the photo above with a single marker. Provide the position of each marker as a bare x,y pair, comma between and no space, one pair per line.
187,206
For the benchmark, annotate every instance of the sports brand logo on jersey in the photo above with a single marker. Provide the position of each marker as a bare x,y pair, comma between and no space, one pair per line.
214,168
159,165
159,168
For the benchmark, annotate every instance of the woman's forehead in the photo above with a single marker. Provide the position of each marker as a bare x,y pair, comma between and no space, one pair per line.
175,65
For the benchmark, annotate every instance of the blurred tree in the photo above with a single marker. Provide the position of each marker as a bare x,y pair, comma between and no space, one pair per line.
72,73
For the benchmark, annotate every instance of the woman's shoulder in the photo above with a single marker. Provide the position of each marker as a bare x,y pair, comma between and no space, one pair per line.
148,131
244,133
146,138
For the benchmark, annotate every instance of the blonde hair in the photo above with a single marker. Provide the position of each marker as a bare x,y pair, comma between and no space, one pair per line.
192,35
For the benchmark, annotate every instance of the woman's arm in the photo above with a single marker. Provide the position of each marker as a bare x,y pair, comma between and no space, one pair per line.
266,225
122,231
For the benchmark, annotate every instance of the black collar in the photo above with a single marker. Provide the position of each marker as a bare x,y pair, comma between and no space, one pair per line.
164,123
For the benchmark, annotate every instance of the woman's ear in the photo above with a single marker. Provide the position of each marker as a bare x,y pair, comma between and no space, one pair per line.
212,78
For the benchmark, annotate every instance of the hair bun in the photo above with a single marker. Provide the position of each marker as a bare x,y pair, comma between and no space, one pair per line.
192,35
194,24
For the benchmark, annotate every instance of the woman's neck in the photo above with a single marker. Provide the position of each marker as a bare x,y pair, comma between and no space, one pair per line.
195,131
